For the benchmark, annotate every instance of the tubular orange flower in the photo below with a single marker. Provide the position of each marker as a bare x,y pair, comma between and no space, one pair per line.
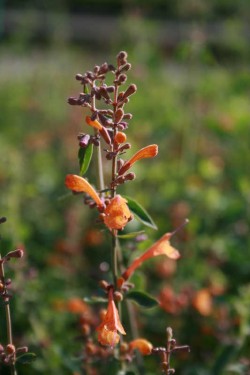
80,185
143,346
147,152
117,213
94,123
109,329
161,247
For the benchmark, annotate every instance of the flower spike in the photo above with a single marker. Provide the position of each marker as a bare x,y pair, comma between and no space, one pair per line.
147,152
80,185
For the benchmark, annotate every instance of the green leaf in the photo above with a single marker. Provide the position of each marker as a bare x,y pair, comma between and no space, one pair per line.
143,299
140,213
84,157
26,358
130,235
224,358
95,299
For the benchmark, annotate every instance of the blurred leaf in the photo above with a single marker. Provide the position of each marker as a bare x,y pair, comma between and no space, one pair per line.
26,358
84,157
95,299
130,235
143,299
224,358
237,368
141,213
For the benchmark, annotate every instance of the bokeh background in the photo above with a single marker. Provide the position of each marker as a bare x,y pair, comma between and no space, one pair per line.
190,62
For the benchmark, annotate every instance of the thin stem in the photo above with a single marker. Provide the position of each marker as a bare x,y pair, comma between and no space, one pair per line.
114,256
100,168
8,318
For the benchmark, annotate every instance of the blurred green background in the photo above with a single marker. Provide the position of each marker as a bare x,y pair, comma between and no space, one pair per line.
190,61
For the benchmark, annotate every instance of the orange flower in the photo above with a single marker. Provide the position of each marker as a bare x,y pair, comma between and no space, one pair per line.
203,302
117,213
80,185
143,346
94,123
161,247
146,152
77,306
109,329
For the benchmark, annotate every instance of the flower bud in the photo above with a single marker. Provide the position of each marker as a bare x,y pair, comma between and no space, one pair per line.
79,77
130,91
128,116
103,284
15,254
118,296
104,68
120,137
72,100
125,67
119,115
122,57
130,176
10,349
84,141
104,93
22,349
85,328
122,79
3,219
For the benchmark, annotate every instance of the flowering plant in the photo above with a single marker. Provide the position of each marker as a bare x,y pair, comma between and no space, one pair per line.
109,123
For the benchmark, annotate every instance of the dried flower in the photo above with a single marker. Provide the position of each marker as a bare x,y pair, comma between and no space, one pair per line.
117,213
161,247
109,329
146,152
80,185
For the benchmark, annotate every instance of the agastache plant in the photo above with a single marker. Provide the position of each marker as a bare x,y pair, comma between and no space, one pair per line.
9,353
109,123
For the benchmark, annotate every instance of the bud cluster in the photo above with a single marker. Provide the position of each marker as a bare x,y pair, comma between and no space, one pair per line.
111,122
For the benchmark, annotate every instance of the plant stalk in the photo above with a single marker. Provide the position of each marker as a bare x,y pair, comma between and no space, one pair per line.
8,318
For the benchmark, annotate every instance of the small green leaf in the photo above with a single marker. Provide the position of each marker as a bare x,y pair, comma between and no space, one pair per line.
84,157
26,358
95,299
143,299
130,235
141,213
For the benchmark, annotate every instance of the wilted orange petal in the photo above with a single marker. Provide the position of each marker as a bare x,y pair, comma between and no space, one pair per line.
143,346
80,185
146,152
203,302
94,123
